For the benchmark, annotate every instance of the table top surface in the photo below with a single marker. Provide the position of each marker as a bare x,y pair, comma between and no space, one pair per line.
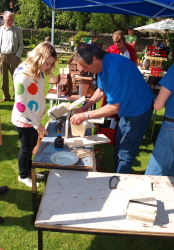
78,201
51,96
72,98
46,149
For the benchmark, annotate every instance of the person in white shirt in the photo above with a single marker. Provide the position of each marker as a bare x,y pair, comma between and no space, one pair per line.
11,47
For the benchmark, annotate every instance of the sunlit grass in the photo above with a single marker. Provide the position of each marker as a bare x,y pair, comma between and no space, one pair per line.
18,232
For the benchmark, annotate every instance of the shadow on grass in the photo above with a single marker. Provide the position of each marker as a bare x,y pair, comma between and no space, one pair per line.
7,105
130,242
7,127
9,149
145,149
23,201
107,159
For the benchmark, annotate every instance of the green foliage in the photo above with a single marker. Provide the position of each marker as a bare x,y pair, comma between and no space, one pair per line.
140,55
64,38
36,14
4,5
167,64
78,38
72,20
100,23
32,45
33,14
44,32
35,36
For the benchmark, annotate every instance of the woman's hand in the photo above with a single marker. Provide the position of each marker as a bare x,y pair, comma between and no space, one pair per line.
42,130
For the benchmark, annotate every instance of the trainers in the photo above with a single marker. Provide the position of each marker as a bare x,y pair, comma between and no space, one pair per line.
39,176
27,181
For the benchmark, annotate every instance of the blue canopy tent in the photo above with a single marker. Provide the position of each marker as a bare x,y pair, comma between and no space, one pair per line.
147,8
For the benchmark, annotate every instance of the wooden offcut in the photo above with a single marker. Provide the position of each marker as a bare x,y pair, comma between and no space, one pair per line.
142,207
86,141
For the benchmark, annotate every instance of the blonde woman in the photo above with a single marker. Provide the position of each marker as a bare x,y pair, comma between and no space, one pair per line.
29,105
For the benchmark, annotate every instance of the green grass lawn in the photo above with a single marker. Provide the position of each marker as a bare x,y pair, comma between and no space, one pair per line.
18,232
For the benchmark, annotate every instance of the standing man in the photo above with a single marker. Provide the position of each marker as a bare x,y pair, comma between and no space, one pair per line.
123,48
11,47
127,95
131,38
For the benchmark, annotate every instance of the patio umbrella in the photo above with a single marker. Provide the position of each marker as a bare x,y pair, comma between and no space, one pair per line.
161,27
165,26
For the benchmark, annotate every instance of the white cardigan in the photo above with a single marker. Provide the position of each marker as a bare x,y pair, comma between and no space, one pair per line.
29,105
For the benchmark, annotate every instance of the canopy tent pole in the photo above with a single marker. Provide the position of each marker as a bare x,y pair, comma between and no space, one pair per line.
53,20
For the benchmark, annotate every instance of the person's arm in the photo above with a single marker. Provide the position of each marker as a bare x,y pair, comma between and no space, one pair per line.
42,130
98,94
105,111
161,98
134,43
20,44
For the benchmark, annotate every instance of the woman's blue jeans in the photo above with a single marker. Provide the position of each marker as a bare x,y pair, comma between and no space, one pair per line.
162,158
128,138
28,138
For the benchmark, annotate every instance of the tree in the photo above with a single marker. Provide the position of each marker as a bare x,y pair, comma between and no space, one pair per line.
100,23
8,5
4,5
72,20
33,14
36,14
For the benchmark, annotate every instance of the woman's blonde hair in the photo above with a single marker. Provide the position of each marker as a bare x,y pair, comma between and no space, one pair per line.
38,56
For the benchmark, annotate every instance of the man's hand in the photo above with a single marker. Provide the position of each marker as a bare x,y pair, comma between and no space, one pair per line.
78,118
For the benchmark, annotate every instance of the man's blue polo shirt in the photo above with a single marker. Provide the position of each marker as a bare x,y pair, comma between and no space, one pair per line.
123,83
168,82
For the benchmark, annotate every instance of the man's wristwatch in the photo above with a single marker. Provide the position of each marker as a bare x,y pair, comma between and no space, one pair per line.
87,115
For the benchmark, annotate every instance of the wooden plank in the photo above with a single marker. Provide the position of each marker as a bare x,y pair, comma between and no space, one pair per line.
142,206
78,130
86,141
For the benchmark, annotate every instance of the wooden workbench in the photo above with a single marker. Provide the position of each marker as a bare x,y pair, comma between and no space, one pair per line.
82,202
42,159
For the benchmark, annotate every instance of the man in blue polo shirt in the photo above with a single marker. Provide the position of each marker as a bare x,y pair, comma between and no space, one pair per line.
127,95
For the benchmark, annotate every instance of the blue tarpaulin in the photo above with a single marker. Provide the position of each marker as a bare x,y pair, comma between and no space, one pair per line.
147,8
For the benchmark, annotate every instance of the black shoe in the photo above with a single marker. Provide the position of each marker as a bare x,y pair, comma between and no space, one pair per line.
1,220
3,190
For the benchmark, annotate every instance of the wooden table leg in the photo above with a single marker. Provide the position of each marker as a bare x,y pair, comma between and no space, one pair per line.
34,191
